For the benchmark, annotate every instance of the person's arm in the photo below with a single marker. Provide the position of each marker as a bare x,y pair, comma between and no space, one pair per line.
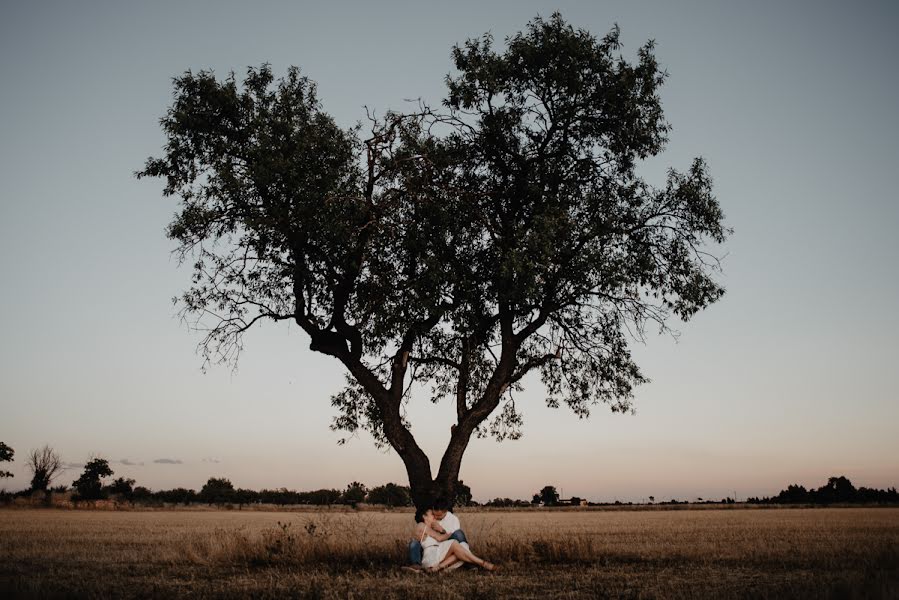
440,537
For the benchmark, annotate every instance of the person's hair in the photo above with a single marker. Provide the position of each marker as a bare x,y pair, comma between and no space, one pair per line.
420,514
443,503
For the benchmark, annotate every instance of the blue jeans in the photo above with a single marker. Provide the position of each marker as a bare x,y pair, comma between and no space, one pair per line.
415,546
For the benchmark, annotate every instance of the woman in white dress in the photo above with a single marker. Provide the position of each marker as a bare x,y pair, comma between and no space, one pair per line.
438,551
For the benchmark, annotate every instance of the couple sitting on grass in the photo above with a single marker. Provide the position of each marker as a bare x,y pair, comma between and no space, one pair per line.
438,542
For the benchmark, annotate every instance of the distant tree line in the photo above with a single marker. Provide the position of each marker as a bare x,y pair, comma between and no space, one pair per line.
94,483
46,465
837,490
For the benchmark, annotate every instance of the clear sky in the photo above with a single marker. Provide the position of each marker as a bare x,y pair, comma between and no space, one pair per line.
791,377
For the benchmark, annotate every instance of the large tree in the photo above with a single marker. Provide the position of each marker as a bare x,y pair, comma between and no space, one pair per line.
505,233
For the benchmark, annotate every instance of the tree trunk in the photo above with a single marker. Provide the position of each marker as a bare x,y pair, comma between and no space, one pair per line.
445,484
425,490
421,486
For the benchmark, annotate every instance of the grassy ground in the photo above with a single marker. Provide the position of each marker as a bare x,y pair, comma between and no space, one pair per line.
845,552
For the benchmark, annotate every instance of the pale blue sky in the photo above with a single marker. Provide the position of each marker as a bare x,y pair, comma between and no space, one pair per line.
790,378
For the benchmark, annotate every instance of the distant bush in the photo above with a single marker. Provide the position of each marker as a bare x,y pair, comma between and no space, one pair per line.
121,487
390,494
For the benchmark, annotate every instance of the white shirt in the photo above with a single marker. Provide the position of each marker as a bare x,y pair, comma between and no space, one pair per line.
450,522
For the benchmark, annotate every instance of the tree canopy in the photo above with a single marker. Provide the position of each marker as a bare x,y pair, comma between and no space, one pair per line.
503,233
462,496
6,455
548,496
389,494
89,485
354,493
123,486
217,490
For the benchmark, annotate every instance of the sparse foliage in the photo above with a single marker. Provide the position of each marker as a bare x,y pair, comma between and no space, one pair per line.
506,233
45,465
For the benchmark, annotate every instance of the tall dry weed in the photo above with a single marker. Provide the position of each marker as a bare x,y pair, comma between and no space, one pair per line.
353,541
344,541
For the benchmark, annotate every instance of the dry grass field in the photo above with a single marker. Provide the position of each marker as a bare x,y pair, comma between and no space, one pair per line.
780,553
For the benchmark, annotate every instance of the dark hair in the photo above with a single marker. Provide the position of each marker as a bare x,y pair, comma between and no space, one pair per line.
420,514
443,503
